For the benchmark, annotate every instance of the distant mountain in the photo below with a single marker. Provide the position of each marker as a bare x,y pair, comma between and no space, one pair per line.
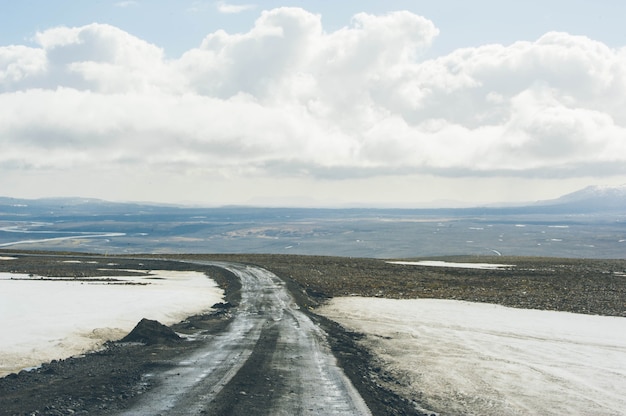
73,206
592,199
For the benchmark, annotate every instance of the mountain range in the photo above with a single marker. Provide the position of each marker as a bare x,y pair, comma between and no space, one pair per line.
591,199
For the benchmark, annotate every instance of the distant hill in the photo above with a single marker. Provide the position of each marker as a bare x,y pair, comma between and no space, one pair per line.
592,199
75,206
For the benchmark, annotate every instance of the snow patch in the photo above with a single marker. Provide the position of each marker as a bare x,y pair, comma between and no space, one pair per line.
473,358
436,263
42,320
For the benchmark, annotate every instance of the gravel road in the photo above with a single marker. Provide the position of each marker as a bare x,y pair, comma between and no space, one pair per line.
260,352
272,357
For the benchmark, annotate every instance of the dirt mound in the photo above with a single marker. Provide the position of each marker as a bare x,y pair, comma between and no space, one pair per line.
151,332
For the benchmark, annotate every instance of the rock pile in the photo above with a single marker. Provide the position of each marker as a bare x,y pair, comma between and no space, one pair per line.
151,332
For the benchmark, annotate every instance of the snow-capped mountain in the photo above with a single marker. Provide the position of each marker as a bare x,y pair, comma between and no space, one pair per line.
594,198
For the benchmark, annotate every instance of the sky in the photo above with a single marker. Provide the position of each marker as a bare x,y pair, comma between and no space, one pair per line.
296,103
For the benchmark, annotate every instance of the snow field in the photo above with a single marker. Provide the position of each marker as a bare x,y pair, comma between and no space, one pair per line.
42,320
457,357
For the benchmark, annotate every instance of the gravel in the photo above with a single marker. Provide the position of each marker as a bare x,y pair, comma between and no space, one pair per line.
107,381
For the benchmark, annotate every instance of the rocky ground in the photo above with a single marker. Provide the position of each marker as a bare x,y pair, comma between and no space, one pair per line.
591,286
107,381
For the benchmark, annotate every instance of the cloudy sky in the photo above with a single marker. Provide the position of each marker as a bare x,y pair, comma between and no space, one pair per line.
394,103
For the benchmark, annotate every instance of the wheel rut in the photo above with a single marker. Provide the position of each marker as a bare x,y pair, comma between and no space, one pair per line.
272,358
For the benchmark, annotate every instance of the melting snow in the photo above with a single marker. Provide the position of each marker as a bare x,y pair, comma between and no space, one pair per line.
471,358
435,263
42,320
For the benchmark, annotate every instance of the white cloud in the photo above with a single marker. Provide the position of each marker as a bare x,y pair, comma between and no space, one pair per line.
103,58
19,63
227,8
125,4
289,99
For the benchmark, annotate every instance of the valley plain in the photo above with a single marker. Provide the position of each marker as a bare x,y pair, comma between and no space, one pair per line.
82,225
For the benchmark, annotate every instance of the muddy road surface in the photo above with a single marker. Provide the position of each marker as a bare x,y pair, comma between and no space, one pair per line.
272,358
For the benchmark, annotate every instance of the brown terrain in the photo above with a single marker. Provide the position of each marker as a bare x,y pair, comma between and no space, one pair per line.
109,381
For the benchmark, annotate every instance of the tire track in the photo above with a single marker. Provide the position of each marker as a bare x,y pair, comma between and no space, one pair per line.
293,370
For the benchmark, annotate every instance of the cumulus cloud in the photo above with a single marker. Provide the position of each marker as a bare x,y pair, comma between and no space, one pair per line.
288,98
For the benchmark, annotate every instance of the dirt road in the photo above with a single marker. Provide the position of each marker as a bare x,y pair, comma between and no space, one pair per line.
272,358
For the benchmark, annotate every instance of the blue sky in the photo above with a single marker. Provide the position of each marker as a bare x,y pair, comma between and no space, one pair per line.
395,103
178,26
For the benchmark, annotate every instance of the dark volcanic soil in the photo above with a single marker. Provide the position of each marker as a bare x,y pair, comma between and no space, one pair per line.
107,381
590,286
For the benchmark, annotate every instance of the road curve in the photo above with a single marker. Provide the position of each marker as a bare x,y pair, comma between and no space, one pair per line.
272,359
